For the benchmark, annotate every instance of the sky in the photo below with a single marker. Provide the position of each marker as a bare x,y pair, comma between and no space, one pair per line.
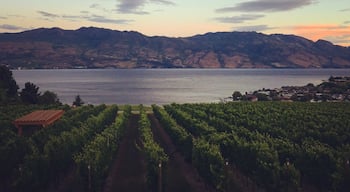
312,19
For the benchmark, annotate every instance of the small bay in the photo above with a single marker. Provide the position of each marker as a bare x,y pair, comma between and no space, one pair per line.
163,86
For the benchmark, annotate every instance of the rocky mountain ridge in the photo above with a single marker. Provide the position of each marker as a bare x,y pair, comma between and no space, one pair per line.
104,48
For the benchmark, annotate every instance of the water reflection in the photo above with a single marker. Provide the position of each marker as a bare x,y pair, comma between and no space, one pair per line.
161,86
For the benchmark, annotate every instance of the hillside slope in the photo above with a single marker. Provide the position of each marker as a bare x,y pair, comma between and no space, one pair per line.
101,48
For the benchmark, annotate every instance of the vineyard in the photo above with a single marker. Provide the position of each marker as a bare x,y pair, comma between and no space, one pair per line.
262,146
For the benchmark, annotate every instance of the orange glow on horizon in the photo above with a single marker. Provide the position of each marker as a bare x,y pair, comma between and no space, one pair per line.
326,32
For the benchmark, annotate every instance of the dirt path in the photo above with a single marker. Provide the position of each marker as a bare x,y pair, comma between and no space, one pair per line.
68,182
128,172
180,176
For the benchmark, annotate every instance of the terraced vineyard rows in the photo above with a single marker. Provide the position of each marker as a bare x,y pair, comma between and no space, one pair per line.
97,155
38,169
190,147
42,159
280,146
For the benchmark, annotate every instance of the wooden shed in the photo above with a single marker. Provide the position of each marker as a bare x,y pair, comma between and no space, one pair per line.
40,118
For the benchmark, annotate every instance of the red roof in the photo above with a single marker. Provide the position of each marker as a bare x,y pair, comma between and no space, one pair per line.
40,117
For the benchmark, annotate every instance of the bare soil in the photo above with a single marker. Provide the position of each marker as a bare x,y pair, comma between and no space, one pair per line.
180,175
128,172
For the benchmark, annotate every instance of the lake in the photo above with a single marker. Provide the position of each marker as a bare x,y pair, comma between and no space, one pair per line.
163,86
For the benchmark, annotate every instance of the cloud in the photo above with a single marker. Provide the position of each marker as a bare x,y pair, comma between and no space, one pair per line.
344,10
72,17
1,17
135,6
17,16
257,28
99,7
131,6
47,14
163,2
238,19
266,6
12,27
101,19
336,33
95,5
85,16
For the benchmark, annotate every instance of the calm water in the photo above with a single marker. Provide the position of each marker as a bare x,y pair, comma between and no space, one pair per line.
161,86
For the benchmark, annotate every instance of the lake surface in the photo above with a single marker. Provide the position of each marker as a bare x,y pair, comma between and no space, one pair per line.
162,86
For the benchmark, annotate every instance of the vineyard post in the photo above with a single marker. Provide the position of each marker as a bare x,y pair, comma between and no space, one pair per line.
287,163
227,176
20,170
160,177
89,168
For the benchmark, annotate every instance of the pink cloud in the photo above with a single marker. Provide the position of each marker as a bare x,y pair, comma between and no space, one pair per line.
334,33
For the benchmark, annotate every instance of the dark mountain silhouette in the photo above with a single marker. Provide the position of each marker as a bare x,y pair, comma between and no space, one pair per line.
101,48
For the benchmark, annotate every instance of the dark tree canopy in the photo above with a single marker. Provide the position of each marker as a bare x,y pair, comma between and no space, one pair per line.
49,98
30,93
236,95
261,97
8,86
78,101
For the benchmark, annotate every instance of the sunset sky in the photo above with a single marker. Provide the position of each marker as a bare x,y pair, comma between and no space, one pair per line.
313,19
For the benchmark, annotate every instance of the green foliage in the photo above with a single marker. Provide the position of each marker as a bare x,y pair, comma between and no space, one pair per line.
236,96
155,155
8,86
261,97
289,178
194,126
49,98
71,119
179,136
39,168
259,138
317,162
277,145
13,148
97,155
78,101
30,93
207,159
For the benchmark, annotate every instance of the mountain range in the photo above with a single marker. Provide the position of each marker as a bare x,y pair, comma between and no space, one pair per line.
103,48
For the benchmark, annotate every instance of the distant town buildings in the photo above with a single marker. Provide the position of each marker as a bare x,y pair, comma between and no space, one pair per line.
336,89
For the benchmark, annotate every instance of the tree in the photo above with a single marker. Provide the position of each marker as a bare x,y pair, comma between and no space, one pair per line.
274,95
8,86
30,94
236,96
49,98
261,97
2,95
78,101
